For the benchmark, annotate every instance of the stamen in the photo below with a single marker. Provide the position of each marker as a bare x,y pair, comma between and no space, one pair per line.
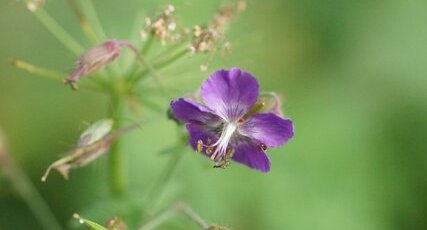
219,149
199,146
222,143
263,146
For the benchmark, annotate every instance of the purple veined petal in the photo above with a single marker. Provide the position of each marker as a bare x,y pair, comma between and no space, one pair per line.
230,93
190,111
249,153
268,128
198,132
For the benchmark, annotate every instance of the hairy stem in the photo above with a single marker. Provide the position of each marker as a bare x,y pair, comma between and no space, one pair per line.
116,167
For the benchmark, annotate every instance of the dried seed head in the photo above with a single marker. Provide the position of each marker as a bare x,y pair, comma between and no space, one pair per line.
93,143
94,59
207,39
163,26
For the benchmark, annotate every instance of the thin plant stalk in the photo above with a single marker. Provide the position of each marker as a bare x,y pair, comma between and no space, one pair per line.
158,66
167,214
90,12
36,70
27,191
84,23
163,181
51,74
58,32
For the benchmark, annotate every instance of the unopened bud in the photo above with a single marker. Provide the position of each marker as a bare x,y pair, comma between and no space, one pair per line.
268,102
94,59
94,142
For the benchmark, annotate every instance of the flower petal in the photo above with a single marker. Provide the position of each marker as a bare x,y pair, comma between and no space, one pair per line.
190,111
268,128
251,154
198,132
230,93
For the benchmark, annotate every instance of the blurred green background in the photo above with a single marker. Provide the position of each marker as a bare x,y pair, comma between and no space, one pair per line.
352,75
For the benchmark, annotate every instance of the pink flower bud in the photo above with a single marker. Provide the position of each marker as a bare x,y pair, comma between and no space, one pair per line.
94,59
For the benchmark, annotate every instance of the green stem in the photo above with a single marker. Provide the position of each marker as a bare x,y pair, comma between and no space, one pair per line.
177,208
28,191
116,167
53,75
143,51
63,36
87,29
160,65
162,182
90,12
43,72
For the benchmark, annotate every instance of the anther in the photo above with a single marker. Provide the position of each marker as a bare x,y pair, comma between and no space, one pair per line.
263,146
199,146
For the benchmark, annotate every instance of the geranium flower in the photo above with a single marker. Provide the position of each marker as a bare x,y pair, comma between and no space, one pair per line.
231,125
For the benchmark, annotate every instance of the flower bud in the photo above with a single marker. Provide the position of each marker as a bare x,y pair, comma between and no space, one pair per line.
93,143
94,59
270,103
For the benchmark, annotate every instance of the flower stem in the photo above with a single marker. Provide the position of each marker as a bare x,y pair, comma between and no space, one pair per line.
86,27
54,75
27,191
116,169
63,36
159,65
162,182
43,72
177,208
90,12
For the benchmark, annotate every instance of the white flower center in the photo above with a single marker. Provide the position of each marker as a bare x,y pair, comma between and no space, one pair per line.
222,143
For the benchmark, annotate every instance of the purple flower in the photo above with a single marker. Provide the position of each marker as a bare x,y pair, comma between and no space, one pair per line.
231,124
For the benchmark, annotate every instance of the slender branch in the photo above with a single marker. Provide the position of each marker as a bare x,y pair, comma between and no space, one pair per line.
58,32
141,58
128,58
27,191
90,12
143,52
175,209
51,74
160,65
86,27
158,189
43,72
